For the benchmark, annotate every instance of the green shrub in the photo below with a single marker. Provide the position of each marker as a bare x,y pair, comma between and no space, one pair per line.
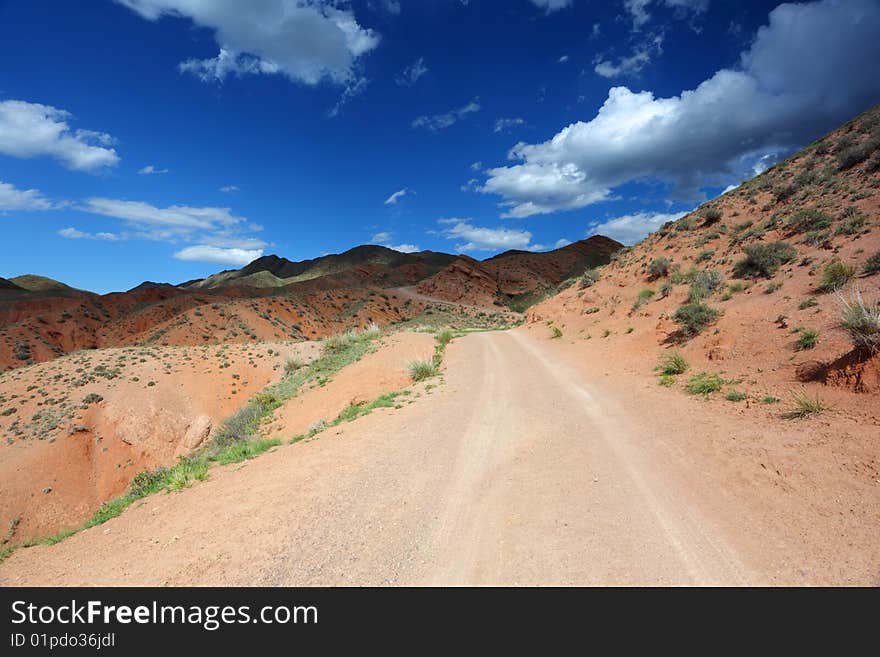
769,399
736,396
694,317
835,276
808,303
659,268
809,219
643,297
807,339
705,255
555,332
673,363
589,278
872,264
805,406
704,384
667,380
711,216
764,259
293,364
419,370
444,337
861,321
703,284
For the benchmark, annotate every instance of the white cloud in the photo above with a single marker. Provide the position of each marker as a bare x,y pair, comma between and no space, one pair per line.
74,234
379,238
502,125
561,242
440,121
228,189
404,248
476,166
305,41
641,56
412,73
803,75
396,196
638,9
177,216
218,255
12,199
353,89
552,5
30,130
478,238
631,228
563,59
150,170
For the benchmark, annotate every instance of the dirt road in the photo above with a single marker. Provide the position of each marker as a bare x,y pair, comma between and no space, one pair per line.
518,469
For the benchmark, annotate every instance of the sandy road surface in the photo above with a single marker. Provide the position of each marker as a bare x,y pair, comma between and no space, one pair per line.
515,471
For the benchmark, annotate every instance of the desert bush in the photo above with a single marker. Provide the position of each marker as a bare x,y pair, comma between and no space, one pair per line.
293,364
589,278
835,276
703,284
92,398
555,332
809,219
807,339
861,320
711,216
419,370
736,396
853,155
444,337
705,255
694,317
659,268
643,297
805,406
764,259
673,363
704,384
872,264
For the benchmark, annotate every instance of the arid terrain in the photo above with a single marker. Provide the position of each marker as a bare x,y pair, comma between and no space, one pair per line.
700,408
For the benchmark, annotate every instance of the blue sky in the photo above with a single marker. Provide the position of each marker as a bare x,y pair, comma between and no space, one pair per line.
169,139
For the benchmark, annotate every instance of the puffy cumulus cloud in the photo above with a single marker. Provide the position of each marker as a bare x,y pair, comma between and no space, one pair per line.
305,40
218,255
412,73
31,130
396,196
803,75
631,228
27,200
440,121
550,6
478,238
75,234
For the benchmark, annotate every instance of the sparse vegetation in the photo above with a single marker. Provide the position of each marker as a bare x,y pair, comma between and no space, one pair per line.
764,260
736,396
673,363
659,268
808,303
643,297
835,276
704,284
704,384
872,264
589,278
805,406
807,339
694,317
419,370
861,321
555,332
293,364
